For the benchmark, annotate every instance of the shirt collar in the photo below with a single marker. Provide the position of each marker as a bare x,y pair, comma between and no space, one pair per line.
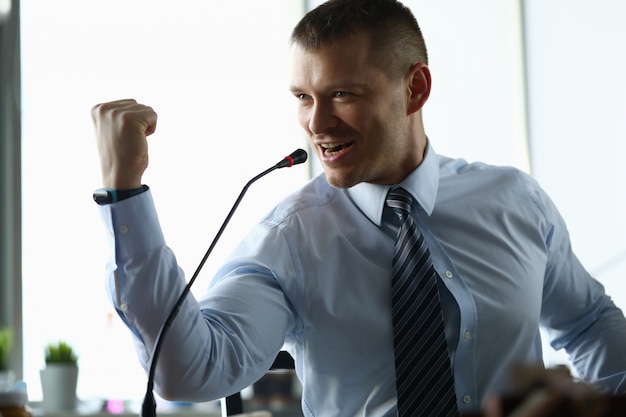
422,183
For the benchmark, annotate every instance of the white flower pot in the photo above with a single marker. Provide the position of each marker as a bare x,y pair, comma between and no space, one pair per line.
58,384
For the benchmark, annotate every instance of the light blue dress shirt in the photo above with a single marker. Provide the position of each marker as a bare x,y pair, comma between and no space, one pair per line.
314,276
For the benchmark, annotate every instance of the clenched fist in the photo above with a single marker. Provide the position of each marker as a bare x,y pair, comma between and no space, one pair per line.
121,130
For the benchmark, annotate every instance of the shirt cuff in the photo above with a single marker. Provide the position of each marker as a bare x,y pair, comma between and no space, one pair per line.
133,226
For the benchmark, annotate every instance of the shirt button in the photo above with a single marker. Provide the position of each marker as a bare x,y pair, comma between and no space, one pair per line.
123,229
467,399
124,307
467,334
449,274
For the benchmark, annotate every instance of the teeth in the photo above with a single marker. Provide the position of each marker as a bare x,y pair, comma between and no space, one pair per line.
330,145
334,148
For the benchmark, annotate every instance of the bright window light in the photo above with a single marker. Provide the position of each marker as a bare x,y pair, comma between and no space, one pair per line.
217,73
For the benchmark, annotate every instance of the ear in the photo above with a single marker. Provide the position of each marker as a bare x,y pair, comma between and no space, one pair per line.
418,87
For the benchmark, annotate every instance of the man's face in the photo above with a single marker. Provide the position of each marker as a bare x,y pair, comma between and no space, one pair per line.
356,118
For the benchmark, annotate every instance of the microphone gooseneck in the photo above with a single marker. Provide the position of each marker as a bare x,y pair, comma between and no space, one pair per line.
148,408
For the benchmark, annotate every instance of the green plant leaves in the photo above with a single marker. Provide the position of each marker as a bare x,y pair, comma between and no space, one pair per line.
60,352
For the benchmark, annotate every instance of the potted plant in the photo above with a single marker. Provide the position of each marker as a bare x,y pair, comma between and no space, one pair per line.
6,375
59,377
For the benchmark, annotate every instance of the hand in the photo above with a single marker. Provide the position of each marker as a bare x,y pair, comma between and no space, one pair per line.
554,394
121,130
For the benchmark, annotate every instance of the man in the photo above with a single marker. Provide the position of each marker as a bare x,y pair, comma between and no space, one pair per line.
316,273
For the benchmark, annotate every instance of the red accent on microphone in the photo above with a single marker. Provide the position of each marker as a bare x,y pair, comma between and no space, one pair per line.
290,159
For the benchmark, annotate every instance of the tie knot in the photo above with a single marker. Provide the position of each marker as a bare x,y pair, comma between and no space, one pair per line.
400,201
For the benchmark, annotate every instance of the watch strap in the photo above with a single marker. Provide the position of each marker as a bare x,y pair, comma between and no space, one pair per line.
110,195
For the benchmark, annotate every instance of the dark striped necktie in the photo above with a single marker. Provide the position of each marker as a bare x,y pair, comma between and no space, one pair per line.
424,378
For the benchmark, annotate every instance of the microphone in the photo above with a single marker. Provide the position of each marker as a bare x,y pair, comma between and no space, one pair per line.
148,408
297,157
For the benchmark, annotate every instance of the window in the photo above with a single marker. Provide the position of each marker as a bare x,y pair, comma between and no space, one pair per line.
217,73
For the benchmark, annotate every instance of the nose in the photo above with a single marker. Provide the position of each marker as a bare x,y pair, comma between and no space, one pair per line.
321,118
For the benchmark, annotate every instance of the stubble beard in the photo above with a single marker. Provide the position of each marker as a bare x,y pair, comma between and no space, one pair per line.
343,180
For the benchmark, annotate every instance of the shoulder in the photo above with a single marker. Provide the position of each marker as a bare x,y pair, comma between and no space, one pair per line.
450,167
491,183
305,201
484,175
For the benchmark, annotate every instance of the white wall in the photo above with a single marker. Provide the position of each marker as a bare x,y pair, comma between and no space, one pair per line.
476,108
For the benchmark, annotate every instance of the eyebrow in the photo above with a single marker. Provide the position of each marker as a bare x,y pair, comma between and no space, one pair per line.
335,87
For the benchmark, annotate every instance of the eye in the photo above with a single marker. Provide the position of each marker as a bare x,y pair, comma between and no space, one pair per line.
340,94
303,97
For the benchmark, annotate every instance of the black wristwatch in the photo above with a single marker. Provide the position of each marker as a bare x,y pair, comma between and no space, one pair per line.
109,195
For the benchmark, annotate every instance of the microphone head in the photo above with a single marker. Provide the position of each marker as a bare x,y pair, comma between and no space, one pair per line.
297,157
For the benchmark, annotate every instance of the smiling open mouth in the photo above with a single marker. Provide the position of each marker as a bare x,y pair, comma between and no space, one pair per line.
331,149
